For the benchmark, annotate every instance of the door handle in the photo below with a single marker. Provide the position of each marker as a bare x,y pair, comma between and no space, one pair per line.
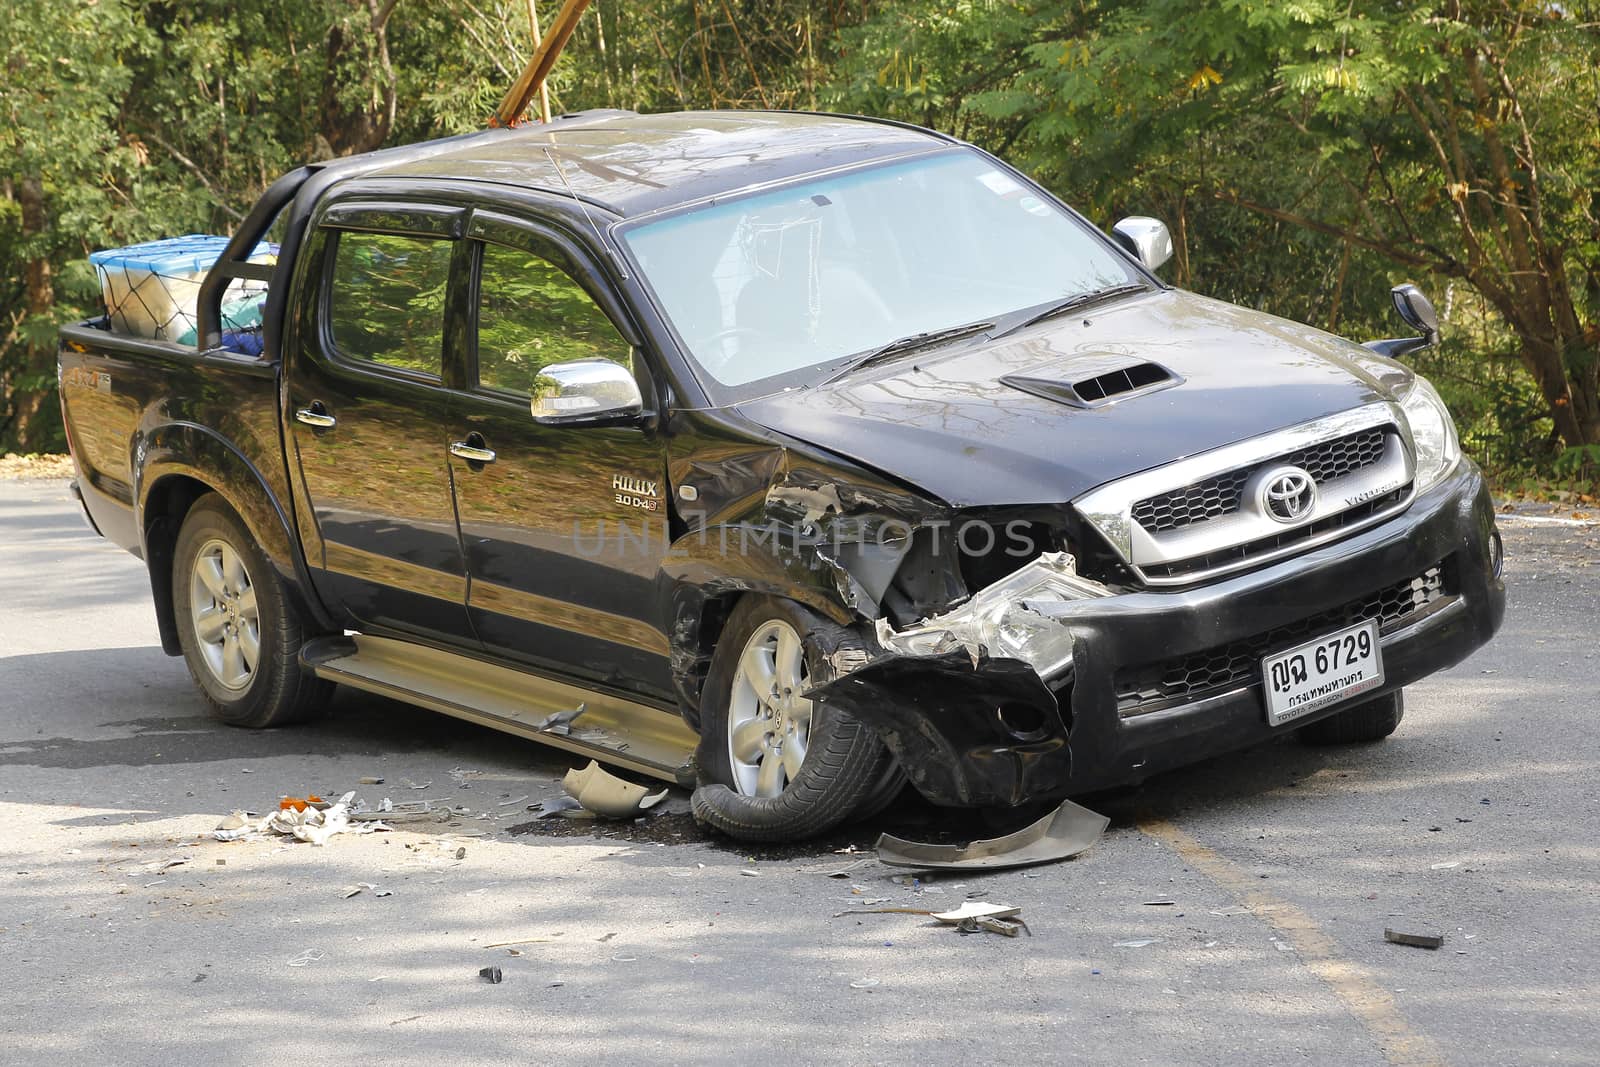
472,453
316,415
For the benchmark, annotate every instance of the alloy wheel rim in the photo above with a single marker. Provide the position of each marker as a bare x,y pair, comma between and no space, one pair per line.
227,623
769,722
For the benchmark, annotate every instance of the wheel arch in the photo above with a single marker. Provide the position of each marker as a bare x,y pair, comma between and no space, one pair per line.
705,585
180,464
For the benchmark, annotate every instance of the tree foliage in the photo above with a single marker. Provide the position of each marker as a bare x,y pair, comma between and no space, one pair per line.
1307,153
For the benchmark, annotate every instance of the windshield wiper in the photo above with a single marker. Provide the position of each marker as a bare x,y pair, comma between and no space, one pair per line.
1093,296
907,344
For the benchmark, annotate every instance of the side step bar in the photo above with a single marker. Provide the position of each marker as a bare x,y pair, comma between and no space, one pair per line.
611,729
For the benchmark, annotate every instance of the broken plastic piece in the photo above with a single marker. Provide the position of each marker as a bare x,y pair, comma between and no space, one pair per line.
1064,833
605,794
491,975
561,721
977,909
553,806
1400,937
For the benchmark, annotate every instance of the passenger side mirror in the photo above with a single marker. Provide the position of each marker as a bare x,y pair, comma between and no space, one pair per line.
1417,310
585,390
1146,238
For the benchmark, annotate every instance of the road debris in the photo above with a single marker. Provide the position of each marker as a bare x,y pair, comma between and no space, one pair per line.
491,975
309,956
1446,866
976,916
605,794
848,869
1064,833
1160,903
865,983
1416,940
561,722
1137,942
554,806
301,819
370,781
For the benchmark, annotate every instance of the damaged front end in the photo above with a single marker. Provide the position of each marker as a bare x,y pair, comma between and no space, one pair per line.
972,699
965,677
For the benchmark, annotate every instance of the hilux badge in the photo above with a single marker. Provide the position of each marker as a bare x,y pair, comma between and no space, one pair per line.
636,492
1288,494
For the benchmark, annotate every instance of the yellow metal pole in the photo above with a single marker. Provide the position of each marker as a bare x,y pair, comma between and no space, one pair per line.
528,83
544,87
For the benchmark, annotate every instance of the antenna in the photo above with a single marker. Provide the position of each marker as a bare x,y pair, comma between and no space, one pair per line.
611,249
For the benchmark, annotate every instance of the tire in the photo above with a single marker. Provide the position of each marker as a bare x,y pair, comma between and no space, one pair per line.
242,650
751,788
890,784
1370,721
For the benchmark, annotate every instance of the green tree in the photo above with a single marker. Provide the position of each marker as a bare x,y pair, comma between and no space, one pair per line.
1459,139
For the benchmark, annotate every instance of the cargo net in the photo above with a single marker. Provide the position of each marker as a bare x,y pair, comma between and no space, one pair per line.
153,290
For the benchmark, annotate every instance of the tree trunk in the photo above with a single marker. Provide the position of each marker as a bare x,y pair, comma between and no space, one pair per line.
33,422
353,129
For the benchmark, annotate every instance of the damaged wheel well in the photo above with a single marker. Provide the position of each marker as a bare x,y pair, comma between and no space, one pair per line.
713,619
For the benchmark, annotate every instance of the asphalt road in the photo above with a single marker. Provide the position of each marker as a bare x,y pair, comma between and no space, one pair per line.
1284,865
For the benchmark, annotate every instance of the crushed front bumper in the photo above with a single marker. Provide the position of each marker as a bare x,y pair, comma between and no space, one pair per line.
1161,679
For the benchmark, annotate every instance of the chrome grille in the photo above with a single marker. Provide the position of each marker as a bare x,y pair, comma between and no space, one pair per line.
1335,459
1154,686
1206,515
1209,499
1223,494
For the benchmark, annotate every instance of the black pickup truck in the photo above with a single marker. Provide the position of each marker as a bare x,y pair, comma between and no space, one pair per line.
806,455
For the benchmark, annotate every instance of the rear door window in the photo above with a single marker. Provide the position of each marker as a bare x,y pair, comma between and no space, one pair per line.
387,299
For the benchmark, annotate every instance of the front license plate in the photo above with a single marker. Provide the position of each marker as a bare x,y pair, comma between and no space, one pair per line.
1332,668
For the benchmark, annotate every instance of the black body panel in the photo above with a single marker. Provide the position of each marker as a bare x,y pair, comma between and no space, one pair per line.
1017,447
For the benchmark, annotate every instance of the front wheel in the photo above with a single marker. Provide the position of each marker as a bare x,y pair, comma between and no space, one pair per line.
777,765
240,632
1372,720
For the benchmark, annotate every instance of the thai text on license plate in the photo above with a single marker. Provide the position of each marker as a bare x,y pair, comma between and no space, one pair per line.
1330,669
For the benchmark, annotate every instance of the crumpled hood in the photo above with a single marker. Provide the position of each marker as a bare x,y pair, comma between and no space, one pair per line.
948,425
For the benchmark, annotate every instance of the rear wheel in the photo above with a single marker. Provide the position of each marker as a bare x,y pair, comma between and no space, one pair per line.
240,632
777,765
1370,721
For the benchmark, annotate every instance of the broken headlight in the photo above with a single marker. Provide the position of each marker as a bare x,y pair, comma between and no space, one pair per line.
998,622
1433,432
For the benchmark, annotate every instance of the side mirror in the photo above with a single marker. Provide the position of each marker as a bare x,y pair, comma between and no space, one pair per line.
1146,238
1417,310
585,390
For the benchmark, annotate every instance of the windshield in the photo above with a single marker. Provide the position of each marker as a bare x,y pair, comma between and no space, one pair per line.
783,287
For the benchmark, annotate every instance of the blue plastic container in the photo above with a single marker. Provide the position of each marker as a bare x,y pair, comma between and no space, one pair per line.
152,289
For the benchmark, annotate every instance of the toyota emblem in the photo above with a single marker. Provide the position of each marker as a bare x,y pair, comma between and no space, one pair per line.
1288,494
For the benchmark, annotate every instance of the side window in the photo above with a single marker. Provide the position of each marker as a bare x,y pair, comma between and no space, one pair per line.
387,302
531,313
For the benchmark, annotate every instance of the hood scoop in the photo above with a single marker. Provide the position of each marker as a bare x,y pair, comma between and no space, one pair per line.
1094,381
